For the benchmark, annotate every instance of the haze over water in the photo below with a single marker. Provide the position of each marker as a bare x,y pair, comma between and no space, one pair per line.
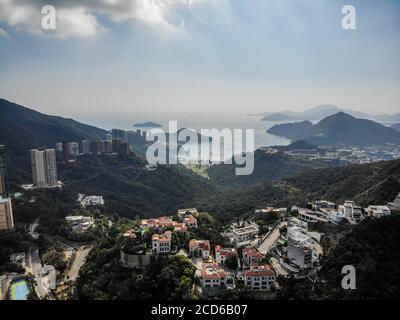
195,121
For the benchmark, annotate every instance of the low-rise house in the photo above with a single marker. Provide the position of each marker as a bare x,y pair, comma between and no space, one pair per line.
278,211
334,216
378,211
157,223
307,215
130,234
299,244
79,223
259,278
91,201
222,254
213,276
243,234
351,211
161,243
180,227
200,247
182,213
323,204
190,221
251,256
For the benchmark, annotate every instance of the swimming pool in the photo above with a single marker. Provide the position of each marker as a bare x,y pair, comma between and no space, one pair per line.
19,290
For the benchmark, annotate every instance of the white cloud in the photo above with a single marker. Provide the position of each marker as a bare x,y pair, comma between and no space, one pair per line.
77,22
3,33
79,18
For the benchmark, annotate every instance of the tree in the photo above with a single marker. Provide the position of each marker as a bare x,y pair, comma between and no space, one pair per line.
231,262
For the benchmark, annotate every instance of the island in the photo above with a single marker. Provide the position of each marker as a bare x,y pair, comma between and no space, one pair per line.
147,125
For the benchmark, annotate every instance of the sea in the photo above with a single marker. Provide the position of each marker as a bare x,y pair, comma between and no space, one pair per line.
195,121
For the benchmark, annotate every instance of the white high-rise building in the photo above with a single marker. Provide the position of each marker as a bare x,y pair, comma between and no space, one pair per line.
85,146
73,148
44,168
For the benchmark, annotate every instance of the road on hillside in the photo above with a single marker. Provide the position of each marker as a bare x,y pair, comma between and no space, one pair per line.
35,265
271,239
79,261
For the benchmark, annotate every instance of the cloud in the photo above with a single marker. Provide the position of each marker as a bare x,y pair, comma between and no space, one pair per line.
3,33
79,18
77,22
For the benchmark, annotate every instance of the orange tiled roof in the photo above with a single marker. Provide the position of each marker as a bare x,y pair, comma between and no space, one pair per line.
253,253
257,271
212,271
201,244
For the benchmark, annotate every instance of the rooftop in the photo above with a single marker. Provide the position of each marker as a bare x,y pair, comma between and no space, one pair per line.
256,271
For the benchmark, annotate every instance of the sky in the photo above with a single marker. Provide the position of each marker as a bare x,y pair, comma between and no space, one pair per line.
200,56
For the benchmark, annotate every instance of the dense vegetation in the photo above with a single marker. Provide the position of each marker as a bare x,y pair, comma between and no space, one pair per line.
51,206
11,242
373,249
339,130
267,167
376,183
103,277
290,131
37,130
129,189
241,202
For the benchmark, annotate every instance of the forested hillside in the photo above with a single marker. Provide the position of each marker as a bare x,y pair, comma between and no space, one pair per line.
372,247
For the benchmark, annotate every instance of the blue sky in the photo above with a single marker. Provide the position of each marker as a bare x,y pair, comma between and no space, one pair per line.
200,56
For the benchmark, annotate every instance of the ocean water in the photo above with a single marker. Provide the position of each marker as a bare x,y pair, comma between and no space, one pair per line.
195,121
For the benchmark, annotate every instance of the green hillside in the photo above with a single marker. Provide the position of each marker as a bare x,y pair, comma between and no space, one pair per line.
267,167
372,247
367,184
339,130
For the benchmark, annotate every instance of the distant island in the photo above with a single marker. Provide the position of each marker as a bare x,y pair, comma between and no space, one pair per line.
147,125
339,130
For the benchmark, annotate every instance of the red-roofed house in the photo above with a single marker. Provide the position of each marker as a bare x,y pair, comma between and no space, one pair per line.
201,247
180,227
252,256
259,278
158,223
221,254
161,243
213,276
190,221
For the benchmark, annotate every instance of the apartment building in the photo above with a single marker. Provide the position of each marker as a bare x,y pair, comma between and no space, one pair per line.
44,168
161,243
190,221
200,247
351,211
378,211
213,276
251,256
259,278
6,214
222,254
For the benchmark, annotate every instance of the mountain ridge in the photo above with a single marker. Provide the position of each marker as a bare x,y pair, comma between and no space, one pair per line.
313,114
339,130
